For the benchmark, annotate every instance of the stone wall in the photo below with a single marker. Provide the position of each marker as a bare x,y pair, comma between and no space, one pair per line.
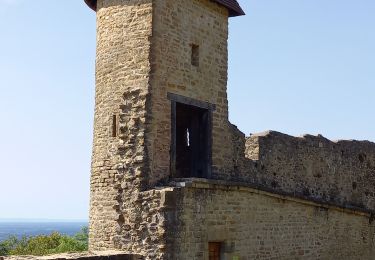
177,26
144,53
119,164
252,224
145,224
140,58
342,172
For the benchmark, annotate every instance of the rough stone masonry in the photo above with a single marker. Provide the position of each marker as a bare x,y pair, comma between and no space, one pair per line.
172,178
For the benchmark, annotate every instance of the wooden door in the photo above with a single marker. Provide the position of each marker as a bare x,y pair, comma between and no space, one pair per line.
214,249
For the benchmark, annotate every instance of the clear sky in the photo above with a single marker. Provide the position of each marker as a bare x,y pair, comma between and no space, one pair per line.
296,66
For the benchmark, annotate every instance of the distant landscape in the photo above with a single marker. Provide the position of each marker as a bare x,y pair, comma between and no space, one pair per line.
19,228
42,237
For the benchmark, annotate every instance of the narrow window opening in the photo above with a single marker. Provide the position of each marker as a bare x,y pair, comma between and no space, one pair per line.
214,250
195,55
114,126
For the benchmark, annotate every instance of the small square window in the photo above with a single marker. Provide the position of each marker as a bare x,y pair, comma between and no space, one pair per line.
195,55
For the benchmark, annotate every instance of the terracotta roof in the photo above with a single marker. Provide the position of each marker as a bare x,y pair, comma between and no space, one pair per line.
232,5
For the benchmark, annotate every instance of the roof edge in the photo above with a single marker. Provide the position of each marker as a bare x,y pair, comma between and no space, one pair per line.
91,4
232,5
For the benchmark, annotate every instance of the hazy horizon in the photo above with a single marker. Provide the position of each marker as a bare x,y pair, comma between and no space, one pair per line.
36,220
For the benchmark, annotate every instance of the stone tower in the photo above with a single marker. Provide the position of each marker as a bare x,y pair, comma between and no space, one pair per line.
161,104
172,178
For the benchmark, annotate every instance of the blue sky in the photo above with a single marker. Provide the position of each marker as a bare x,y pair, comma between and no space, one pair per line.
296,66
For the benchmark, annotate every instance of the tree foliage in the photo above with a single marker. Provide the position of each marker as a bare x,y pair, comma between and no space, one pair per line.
45,244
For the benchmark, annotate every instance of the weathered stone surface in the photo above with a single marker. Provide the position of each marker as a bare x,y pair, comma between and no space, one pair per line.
124,29
177,25
140,58
341,172
294,198
253,224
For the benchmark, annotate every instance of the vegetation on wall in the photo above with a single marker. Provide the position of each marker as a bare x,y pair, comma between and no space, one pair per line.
45,244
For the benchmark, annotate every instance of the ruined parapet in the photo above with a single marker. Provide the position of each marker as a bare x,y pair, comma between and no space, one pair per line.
341,172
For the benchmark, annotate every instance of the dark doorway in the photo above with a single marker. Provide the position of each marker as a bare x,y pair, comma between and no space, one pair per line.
192,141
191,137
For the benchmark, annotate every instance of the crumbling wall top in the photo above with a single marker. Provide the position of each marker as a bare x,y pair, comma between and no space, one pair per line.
341,172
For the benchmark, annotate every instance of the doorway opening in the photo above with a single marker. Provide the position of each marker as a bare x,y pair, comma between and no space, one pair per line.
191,138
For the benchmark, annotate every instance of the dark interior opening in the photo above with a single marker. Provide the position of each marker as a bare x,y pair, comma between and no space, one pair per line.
192,141
114,126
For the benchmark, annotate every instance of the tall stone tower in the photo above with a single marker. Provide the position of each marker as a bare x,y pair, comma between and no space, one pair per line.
173,179
161,105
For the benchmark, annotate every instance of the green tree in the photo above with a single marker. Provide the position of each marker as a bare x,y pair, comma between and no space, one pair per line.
45,244
7,245
83,236
38,245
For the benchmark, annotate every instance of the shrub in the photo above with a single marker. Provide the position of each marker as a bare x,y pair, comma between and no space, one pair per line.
45,244
7,245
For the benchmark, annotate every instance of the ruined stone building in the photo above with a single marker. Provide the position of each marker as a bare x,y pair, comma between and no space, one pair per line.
172,178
